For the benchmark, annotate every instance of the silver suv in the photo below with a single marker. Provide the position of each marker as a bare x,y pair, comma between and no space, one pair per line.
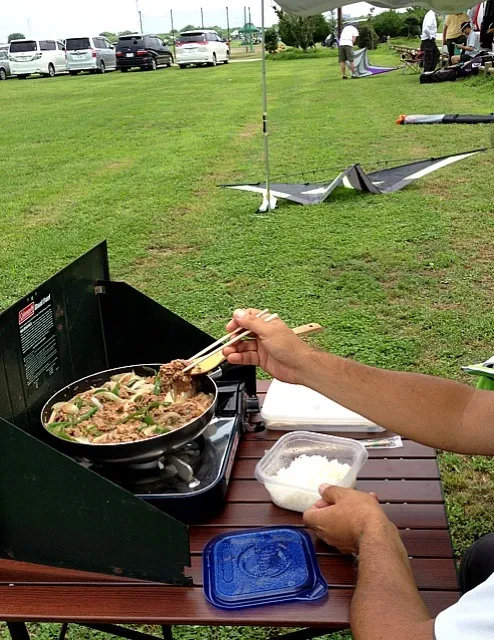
4,65
90,54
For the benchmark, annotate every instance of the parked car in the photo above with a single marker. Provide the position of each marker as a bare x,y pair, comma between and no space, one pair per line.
90,54
201,47
46,57
146,52
331,41
4,65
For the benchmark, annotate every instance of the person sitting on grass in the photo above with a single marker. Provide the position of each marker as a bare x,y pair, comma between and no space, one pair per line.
347,39
471,48
439,413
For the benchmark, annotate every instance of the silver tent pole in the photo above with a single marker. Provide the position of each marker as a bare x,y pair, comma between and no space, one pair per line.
265,109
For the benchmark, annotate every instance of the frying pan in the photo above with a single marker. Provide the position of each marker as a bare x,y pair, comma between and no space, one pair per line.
136,451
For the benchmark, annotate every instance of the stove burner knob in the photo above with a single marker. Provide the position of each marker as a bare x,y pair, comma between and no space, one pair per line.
252,404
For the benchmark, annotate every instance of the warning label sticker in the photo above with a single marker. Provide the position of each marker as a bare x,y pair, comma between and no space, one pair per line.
38,341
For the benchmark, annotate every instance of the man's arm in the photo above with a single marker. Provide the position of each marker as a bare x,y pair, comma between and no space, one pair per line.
437,412
386,604
445,29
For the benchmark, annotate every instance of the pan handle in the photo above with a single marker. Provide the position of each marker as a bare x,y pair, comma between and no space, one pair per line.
216,374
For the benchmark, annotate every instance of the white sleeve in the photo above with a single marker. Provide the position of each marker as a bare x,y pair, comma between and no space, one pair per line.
427,26
471,618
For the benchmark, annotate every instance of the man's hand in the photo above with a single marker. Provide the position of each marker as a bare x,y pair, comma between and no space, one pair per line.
342,517
275,347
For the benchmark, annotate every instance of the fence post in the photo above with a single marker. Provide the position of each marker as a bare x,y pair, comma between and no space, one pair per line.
250,34
228,30
173,36
245,34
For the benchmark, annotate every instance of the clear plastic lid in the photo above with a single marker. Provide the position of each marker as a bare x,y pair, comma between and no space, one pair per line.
290,407
261,566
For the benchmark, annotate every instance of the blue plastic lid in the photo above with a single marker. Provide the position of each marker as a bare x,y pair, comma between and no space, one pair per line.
261,566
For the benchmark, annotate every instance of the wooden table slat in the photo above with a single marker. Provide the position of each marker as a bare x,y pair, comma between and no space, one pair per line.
340,571
413,516
418,491
422,543
425,469
257,447
176,605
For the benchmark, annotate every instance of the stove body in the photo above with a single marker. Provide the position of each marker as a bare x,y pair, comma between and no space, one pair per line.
191,483
77,323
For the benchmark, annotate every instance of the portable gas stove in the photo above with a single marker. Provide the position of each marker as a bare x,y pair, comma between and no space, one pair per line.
77,323
190,483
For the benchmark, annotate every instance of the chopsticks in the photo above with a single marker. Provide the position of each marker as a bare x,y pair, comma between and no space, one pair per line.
231,338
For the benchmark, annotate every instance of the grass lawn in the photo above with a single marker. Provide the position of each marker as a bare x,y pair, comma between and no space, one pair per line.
402,281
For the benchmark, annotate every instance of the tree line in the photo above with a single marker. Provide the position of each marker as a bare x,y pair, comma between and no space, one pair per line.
304,33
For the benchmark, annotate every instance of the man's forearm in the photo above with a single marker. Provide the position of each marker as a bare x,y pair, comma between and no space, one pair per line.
438,412
386,604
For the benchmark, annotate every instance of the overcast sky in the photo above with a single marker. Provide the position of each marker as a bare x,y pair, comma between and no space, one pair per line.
62,19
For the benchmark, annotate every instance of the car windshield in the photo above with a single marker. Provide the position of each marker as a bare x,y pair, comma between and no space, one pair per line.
196,36
75,44
21,47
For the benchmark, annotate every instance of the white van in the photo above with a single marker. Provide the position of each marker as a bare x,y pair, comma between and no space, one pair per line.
90,54
46,57
202,46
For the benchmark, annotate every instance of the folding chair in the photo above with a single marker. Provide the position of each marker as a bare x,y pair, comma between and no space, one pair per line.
412,61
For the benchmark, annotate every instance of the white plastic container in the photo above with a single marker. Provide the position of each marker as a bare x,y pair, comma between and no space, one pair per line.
292,445
289,407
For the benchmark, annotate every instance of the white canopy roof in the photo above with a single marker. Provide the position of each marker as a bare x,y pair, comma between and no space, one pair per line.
311,7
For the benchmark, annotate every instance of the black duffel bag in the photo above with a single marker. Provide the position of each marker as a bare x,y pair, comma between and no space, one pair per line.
440,75
472,67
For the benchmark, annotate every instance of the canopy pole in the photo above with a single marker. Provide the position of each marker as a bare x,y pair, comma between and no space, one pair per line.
265,109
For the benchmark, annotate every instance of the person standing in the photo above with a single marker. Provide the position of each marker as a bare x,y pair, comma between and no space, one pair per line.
452,32
348,38
428,41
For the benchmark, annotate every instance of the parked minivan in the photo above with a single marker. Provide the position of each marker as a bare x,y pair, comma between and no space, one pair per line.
142,51
46,57
4,65
90,54
202,46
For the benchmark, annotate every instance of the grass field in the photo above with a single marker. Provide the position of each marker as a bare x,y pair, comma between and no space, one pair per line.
402,281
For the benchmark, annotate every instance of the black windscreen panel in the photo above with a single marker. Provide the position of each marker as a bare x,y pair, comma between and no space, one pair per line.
50,338
56,512
53,510
139,330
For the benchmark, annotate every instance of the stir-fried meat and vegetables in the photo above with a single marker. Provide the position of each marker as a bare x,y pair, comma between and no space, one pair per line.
130,407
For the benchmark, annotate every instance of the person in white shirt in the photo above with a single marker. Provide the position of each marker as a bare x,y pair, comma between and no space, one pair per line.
472,46
348,37
428,41
440,413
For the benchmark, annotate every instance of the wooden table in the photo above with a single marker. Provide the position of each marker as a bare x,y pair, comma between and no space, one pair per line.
406,481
